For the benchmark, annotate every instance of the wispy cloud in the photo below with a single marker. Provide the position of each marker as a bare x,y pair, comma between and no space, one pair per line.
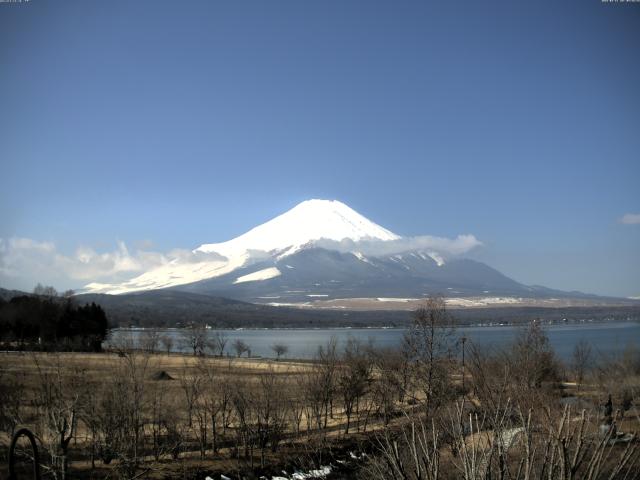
444,247
630,219
24,262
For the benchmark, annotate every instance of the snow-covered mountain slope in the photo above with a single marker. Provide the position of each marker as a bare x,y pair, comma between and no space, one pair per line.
322,249
307,222
174,273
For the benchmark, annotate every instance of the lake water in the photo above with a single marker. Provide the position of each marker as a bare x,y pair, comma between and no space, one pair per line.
605,338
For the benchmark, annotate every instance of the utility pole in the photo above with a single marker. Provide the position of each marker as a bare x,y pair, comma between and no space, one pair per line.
463,340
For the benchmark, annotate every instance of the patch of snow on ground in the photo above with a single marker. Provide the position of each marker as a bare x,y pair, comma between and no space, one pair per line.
322,472
508,436
278,304
319,473
403,300
481,301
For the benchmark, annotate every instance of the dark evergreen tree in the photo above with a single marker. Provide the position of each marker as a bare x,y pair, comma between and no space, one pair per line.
51,323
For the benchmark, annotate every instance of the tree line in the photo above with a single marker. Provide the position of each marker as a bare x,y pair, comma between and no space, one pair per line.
47,320
196,339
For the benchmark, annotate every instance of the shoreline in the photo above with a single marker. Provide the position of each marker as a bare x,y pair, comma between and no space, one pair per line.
380,327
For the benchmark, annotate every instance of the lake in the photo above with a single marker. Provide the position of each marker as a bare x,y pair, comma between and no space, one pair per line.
605,338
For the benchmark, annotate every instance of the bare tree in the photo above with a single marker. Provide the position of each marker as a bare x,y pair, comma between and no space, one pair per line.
532,357
123,343
513,444
201,412
243,409
314,395
121,412
167,343
279,349
413,454
240,347
58,403
89,417
216,399
616,375
326,366
218,343
12,404
149,340
491,378
391,382
429,343
354,377
581,360
195,338
270,407
164,424
296,401
191,385
45,291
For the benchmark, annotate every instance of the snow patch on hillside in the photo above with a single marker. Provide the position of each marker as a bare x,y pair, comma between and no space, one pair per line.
436,257
362,258
264,274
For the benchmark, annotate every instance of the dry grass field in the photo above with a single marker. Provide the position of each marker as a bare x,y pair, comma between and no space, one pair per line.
180,386
514,414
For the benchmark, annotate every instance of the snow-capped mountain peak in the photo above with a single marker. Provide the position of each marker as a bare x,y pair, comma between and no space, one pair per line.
305,223
286,234
323,249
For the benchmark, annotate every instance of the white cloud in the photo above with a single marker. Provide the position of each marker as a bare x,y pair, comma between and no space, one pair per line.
25,262
631,219
443,247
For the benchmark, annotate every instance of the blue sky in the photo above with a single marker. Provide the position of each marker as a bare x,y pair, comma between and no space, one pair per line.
170,124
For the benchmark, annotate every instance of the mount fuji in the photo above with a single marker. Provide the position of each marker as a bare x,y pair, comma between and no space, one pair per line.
322,251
